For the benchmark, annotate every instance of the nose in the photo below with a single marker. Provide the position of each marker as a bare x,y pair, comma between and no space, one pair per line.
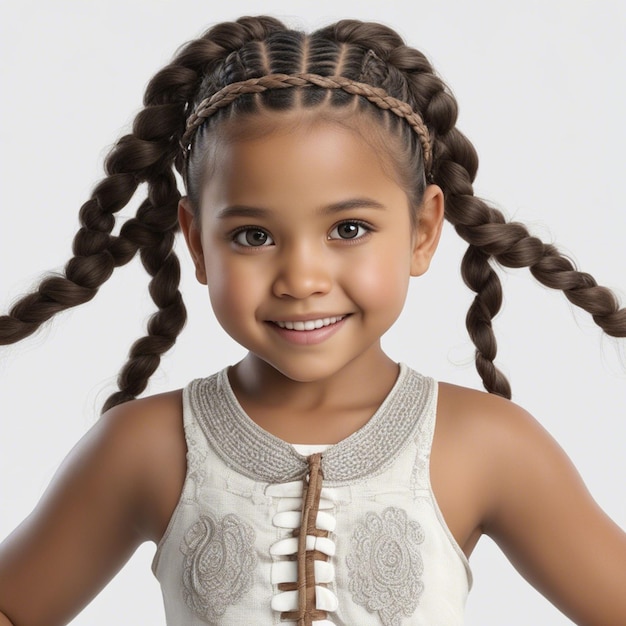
303,270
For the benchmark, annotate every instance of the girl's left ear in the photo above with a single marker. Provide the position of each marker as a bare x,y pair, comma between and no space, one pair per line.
428,230
189,227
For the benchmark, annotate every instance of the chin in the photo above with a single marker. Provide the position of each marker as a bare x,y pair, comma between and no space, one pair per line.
304,372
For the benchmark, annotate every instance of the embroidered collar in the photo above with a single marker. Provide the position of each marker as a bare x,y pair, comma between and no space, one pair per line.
256,453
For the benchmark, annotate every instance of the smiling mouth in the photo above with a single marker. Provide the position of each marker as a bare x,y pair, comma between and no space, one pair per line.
310,324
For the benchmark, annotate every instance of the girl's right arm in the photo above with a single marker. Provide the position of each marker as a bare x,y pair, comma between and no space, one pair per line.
117,488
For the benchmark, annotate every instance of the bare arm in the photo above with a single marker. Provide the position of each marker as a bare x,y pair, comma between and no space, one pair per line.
495,470
548,525
4,620
103,502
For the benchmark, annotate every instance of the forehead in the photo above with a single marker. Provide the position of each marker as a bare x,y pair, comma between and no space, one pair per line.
300,144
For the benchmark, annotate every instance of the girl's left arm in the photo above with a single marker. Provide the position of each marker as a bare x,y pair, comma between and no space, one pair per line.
546,522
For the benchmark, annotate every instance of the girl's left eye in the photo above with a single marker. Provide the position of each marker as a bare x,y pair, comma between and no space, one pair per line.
349,230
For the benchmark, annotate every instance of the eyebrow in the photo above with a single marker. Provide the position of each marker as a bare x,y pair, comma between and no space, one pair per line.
241,210
353,203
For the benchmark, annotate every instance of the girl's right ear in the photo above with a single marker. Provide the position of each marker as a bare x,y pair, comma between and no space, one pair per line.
193,237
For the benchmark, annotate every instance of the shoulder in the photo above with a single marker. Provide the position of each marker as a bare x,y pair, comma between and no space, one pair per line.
146,425
487,431
497,439
134,459
501,429
130,436
481,446
492,462
484,419
145,440
470,405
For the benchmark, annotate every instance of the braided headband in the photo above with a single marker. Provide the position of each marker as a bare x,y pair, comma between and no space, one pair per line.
377,96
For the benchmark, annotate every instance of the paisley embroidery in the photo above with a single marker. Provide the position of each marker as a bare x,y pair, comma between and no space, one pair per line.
386,566
218,565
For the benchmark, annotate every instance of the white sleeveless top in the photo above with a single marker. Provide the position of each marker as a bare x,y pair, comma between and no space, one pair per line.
379,553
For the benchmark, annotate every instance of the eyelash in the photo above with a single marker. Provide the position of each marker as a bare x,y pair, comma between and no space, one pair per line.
364,225
250,229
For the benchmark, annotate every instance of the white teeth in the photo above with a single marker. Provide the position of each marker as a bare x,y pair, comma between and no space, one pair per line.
310,324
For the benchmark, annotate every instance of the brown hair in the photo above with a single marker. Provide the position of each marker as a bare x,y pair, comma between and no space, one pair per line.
252,48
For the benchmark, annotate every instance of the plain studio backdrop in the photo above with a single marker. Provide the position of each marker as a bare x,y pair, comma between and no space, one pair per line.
541,91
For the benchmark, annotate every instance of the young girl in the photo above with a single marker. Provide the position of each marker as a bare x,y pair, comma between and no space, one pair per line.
317,172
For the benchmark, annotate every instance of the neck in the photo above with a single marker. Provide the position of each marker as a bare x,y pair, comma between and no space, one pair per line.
319,411
362,380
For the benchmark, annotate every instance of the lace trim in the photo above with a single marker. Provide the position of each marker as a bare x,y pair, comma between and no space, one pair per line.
259,455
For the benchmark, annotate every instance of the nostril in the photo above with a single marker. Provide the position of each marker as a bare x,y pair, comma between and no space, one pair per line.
301,283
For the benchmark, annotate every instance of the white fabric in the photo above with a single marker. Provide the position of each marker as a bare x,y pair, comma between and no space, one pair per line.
306,449
392,559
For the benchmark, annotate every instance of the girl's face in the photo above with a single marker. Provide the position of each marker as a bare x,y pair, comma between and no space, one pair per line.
306,245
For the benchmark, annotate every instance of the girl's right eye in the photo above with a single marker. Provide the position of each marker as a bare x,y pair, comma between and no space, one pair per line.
251,237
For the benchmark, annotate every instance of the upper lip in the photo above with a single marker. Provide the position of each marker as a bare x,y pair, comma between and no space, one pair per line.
310,317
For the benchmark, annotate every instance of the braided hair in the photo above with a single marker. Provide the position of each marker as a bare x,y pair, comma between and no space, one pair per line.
255,64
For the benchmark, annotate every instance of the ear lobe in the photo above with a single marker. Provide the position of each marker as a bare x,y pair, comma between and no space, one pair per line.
189,227
428,230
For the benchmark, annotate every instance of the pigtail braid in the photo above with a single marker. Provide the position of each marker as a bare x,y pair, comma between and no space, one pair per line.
96,252
455,171
346,59
156,223
153,230
153,145
490,236
94,259
145,155
406,74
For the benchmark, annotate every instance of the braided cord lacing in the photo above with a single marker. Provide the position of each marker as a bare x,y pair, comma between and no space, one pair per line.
307,611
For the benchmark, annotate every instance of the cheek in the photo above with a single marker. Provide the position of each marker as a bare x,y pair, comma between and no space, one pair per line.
382,282
231,291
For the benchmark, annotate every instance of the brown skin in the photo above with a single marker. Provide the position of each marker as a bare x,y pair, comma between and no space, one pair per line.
494,470
107,498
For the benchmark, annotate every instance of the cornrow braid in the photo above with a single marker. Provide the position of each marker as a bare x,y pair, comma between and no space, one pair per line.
406,74
376,95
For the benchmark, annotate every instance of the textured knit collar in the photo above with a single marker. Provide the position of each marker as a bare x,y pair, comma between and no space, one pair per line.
256,453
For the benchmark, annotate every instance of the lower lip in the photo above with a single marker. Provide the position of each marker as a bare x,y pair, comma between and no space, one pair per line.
308,337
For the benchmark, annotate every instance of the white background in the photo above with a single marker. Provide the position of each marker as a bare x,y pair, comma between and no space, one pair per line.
541,91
